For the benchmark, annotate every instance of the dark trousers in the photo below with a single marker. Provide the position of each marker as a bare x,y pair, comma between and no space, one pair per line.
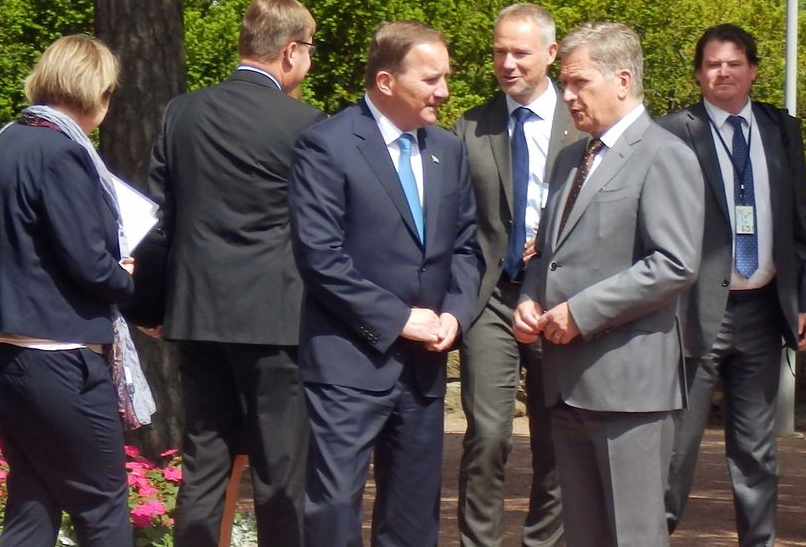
490,371
746,356
405,431
241,398
63,441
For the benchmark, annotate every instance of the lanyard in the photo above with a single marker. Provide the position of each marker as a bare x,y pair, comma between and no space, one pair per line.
740,171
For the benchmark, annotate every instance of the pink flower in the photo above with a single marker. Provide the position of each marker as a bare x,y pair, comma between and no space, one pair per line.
172,474
3,475
169,453
132,451
142,514
145,489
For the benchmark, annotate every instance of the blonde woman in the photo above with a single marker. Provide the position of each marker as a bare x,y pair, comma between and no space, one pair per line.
60,274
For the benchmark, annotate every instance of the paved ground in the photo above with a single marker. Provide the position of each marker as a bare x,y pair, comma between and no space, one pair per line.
708,522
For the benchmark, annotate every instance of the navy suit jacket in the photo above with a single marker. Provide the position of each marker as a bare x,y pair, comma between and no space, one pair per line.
59,253
361,261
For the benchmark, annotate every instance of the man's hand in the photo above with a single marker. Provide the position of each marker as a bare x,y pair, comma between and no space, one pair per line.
557,324
529,249
525,321
801,331
127,263
153,332
448,330
423,326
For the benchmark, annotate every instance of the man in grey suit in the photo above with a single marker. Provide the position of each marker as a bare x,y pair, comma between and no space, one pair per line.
619,242
751,289
509,209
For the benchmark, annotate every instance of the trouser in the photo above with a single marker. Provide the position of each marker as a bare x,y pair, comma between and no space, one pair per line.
241,398
63,440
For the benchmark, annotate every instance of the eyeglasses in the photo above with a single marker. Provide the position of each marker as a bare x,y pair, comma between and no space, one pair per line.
311,46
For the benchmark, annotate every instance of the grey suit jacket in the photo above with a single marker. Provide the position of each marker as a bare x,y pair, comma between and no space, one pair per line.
702,308
484,131
631,246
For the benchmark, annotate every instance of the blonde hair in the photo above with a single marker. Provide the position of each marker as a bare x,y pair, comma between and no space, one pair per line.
76,71
268,25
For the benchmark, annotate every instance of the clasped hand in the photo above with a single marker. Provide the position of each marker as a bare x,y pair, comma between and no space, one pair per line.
438,332
556,325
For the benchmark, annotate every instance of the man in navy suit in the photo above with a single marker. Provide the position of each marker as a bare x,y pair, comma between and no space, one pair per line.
383,228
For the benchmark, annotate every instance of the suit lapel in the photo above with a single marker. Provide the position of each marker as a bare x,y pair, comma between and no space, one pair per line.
611,164
769,135
373,149
703,139
432,183
497,131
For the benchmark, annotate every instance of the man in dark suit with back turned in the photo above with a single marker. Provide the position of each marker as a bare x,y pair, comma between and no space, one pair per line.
509,165
220,173
384,236
751,289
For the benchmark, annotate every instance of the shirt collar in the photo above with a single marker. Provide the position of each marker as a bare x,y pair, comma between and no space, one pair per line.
543,105
251,68
610,136
389,130
719,117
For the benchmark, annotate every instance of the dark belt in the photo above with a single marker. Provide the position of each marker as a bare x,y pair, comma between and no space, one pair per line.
762,292
506,279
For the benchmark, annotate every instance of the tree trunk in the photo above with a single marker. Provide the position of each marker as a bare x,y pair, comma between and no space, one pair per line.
148,37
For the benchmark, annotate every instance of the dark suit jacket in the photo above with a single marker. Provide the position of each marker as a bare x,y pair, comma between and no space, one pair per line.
484,131
703,306
59,253
363,265
220,173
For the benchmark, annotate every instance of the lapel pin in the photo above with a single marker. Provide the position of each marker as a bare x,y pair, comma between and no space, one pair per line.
434,158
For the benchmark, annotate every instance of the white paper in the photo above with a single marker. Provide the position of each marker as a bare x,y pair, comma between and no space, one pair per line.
138,213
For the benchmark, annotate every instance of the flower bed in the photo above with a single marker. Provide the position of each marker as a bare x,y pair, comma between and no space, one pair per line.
152,500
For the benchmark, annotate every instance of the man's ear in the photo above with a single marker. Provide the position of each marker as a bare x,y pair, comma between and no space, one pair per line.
384,81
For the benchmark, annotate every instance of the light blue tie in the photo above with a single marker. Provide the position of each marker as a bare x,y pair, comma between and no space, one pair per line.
746,258
409,183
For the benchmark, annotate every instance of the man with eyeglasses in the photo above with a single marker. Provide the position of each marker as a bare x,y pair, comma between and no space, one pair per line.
220,173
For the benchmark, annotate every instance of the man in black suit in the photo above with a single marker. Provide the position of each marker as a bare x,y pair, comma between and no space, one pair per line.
220,173
751,289
384,236
509,209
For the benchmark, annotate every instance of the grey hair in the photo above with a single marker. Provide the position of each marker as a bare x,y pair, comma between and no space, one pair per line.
612,46
531,12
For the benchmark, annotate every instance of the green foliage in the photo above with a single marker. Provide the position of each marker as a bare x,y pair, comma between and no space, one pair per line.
26,28
211,39
668,30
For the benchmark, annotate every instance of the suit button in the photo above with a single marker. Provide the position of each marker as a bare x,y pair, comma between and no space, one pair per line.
500,261
422,269
725,282
553,266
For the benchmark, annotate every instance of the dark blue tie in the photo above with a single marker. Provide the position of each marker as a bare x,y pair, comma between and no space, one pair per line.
520,186
746,254
408,182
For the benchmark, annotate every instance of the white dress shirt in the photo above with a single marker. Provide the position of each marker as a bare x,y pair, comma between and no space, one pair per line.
761,189
537,130
391,134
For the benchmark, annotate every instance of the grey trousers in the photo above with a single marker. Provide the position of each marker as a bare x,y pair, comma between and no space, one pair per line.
490,366
613,469
746,357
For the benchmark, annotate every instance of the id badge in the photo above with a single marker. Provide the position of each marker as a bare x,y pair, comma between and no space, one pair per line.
745,223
